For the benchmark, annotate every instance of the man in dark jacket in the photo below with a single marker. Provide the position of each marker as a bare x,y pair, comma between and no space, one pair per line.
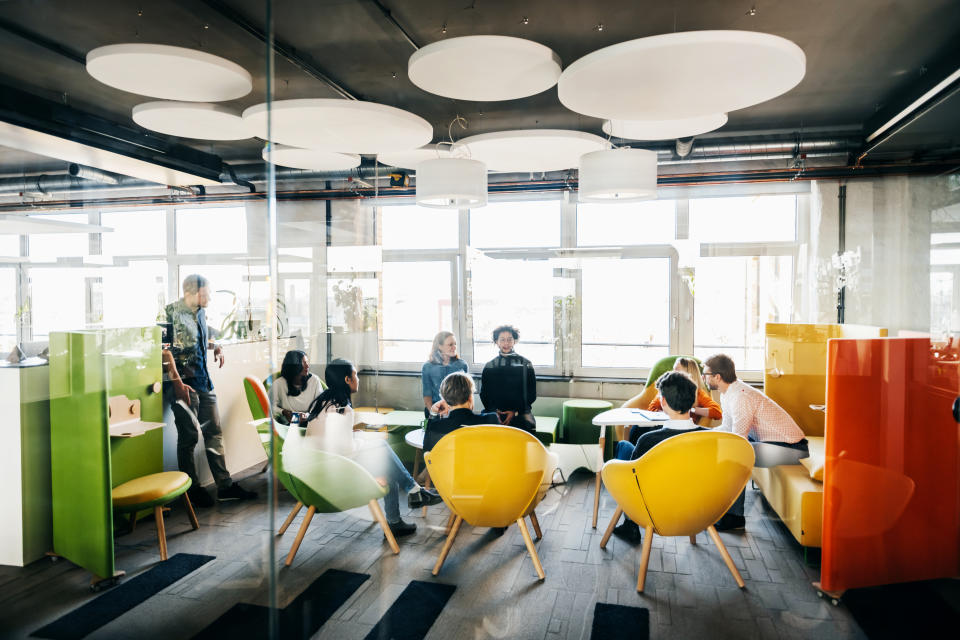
457,391
508,384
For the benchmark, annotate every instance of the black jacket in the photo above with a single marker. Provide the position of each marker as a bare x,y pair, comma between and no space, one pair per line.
508,383
439,427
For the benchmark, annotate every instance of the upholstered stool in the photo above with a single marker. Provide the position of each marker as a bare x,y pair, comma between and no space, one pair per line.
154,490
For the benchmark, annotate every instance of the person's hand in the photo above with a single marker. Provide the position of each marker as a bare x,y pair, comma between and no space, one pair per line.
506,416
440,407
287,414
693,414
218,355
182,390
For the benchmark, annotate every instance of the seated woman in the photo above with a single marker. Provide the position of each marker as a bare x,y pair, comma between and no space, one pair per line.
442,362
457,391
296,388
330,428
704,409
508,384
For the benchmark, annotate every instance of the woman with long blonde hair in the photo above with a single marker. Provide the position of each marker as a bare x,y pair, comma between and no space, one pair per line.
442,361
705,408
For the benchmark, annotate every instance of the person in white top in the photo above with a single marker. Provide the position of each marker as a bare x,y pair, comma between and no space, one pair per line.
296,388
749,413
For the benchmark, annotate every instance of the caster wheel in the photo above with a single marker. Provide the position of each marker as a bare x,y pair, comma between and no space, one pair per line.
820,594
54,559
835,602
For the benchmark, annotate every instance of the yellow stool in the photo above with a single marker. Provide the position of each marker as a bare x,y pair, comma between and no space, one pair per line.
154,490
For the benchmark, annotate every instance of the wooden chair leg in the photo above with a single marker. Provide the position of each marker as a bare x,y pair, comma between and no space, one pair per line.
645,558
448,544
450,520
190,512
596,500
693,539
293,514
303,530
613,523
161,532
379,517
533,551
536,524
726,556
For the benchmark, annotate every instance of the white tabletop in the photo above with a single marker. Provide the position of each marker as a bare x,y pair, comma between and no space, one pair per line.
404,418
415,438
623,415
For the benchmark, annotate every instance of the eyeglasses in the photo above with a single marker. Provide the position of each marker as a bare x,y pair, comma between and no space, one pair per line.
708,373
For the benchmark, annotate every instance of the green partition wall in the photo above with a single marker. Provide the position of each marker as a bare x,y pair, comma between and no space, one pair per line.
87,368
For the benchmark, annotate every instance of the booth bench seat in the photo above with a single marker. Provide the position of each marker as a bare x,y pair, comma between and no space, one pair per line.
795,496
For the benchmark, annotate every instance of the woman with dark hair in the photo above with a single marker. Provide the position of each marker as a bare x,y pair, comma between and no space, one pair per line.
508,384
330,428
296,388
443,361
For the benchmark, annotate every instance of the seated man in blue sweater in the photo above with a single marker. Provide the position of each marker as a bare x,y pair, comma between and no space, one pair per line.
457,391
678,394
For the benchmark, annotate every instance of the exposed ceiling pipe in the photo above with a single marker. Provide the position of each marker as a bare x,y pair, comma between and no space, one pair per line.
393,21
683,147
92,173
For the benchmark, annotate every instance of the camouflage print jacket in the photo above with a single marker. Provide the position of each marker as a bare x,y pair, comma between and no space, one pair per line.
189,348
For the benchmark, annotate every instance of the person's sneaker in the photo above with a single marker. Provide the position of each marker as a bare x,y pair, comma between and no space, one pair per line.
628,531
235,492
730,522
199,497
401,528
423,498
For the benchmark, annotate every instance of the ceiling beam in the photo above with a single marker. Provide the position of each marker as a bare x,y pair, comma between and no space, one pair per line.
389,16
41,41
281,48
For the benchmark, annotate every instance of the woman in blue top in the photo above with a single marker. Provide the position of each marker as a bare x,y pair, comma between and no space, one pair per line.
442,362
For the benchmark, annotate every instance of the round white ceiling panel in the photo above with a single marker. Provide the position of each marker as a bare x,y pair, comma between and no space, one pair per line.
531,149
170,73
333,124
681,75
484,68
664,129
200,120
312,159
411,158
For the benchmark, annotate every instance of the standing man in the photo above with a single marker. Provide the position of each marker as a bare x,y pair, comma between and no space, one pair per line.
191,395
749,413
508,384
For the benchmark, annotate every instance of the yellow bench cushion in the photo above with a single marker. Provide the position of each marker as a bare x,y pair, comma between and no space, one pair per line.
795,496
156,488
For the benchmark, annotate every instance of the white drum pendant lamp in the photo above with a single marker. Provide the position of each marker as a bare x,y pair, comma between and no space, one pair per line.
618,175
451,183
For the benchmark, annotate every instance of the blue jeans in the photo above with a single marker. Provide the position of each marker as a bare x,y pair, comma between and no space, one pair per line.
382,462
623,450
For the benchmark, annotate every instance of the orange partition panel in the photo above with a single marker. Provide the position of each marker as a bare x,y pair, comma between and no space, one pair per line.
892,474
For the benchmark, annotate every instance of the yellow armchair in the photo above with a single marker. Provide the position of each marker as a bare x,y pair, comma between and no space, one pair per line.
679,488
491,476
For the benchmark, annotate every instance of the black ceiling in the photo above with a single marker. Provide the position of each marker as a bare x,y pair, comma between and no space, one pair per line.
864,57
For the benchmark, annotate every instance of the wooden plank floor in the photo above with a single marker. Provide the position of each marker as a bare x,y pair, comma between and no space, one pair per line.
689,592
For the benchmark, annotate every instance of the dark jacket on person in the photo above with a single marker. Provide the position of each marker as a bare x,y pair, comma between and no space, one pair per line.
508,383
439,427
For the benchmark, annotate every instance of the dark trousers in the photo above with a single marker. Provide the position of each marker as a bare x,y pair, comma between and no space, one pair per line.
203,408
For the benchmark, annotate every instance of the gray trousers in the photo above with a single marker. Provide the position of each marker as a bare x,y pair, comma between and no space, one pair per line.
203,405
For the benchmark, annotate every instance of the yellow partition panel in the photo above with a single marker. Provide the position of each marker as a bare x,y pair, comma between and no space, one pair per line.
795,372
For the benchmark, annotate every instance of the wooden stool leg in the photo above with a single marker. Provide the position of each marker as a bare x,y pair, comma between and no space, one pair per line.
190,512
645,557
533,550
133,521
379,517
726,556
161,532
290,517
447,544
693,539
613,523
416,461
596,491
536,524
303,530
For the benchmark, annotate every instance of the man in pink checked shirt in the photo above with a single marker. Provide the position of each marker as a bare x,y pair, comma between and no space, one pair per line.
749,413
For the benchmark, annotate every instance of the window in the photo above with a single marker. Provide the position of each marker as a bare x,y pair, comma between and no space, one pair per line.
296,302
626,223
413,227
746,219
206,231
9,245
625,331
734,298
516,224
236,292
135,233
415,306
59,300
133,296
56,245
516,292
8,309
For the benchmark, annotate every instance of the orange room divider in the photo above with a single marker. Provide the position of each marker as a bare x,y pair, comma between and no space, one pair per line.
892,474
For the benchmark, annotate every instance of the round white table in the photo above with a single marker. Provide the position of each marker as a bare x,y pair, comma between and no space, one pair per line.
415,439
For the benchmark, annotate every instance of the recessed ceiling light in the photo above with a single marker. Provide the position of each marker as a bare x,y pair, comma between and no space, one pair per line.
411,158
535,150
348,126
170,73
664,129
681,75
311,159
199,120
484,68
